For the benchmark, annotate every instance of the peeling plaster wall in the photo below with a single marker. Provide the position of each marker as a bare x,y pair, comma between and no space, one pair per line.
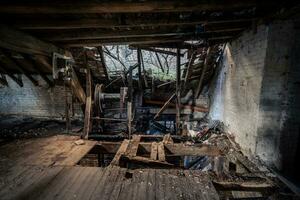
256,93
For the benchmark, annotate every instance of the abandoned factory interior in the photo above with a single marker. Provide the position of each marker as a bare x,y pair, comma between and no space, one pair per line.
149,100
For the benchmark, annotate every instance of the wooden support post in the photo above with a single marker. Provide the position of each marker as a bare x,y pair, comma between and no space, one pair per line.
178,76
139,69
165,106
67,111
168,139
88,105
199,88
129,102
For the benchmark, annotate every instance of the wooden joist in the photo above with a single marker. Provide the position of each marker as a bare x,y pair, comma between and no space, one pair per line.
161,152
20,68
80,7
134,145
154,150
168,139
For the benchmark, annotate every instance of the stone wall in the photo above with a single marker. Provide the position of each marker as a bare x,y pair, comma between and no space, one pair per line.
256,93
37,101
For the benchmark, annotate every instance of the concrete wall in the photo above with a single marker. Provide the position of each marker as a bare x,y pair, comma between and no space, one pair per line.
39,101
256,91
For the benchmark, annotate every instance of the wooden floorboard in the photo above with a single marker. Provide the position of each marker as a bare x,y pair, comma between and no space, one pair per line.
46,169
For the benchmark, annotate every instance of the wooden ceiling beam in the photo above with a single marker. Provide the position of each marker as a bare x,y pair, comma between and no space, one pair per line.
118,6
48,24
88,34
24,43
129,41
140,40
96,34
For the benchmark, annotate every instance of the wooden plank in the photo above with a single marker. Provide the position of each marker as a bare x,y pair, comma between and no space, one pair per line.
134,145
139,59
154,150
76,154
243,186
161,152
88,106
121,151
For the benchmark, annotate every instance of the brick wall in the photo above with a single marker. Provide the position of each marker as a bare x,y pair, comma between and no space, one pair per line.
256,92
39,101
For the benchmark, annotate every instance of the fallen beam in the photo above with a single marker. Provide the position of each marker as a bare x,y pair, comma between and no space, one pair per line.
164,106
